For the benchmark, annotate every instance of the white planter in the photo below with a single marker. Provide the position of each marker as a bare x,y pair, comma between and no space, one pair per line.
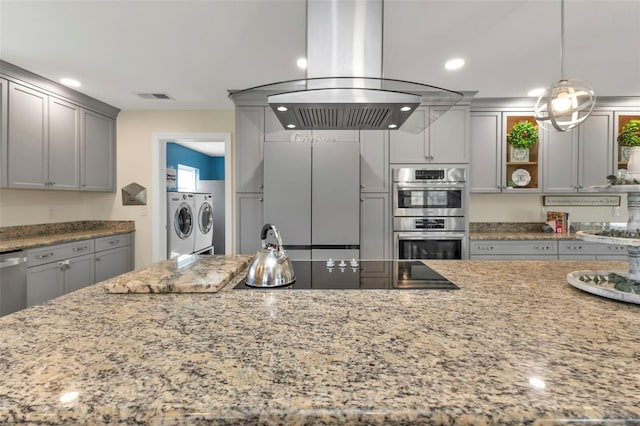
518,155
633,165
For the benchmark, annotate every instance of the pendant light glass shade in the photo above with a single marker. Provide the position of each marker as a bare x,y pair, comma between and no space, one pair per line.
567,103
564,105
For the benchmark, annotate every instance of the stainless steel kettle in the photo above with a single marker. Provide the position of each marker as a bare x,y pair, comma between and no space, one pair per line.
271,266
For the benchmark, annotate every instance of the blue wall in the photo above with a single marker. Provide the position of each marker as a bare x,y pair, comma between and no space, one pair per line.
211,168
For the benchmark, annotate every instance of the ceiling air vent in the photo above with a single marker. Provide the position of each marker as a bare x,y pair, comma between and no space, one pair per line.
154,96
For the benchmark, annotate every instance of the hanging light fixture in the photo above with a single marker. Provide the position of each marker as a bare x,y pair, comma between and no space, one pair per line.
567,103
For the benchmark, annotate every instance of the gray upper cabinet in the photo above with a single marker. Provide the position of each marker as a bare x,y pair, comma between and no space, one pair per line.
287,195
113,262
4,116
484,174
64,144
249,149
446,140
374,161
580,158
28,137
97,171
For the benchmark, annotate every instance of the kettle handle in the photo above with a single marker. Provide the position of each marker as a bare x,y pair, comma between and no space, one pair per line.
263,236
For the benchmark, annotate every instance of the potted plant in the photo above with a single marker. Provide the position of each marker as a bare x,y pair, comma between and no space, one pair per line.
629,138
522,137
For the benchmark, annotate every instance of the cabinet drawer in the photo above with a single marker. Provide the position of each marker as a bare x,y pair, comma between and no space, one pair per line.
590,248
112,241
500,247
53,253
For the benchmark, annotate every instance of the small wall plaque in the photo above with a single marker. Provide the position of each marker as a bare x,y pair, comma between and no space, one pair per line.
582,200
134,195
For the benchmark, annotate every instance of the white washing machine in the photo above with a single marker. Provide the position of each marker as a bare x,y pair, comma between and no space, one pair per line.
204,223
181,223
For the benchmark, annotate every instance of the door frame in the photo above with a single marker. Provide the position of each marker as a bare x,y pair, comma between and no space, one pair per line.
159,185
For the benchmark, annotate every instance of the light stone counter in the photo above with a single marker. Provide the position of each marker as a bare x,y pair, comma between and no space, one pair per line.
479,236
478,355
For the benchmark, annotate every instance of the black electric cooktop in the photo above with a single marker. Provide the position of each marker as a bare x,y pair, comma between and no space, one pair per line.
366,275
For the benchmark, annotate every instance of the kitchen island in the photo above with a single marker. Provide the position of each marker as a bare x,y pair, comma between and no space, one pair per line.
516,344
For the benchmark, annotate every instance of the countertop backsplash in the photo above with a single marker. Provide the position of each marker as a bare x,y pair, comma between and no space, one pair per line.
536,226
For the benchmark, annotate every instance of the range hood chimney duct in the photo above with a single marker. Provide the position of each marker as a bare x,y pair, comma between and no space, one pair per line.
345,88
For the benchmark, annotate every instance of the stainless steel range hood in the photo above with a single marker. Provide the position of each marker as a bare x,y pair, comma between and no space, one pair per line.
345,88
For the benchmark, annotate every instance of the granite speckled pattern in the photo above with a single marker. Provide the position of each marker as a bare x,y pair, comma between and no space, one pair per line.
478,236
184,274
471,356
30,236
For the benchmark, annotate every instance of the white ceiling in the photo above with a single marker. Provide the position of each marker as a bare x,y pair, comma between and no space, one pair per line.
213,149
196,50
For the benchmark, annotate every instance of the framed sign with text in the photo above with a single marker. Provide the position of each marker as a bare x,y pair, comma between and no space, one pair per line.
582,200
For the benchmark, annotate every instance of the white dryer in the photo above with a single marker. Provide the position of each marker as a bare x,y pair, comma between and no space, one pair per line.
204,223
180,224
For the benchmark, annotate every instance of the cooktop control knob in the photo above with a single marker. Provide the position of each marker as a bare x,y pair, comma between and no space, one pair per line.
354,263
330,263
342,264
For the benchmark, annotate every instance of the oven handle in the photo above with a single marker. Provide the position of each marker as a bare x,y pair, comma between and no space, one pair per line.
430,235
432,185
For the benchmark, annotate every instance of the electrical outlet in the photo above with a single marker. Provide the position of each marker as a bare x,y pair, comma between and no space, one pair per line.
616,211
52,212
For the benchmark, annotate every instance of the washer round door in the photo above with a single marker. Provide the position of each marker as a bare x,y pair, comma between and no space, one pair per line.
183,221
205,218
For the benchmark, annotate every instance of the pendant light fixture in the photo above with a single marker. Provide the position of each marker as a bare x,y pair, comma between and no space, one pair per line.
567,103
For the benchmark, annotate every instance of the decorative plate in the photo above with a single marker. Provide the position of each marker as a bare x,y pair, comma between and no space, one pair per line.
521,177
601,288
625,152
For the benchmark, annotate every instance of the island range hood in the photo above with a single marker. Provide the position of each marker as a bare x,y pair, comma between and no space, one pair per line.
345,88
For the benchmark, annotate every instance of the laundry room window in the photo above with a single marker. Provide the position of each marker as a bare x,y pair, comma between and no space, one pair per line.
187,178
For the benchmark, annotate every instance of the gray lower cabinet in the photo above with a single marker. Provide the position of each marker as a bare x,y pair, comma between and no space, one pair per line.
51,280
375,226
97,168
113,256
249,217
4,116
515,249
587,250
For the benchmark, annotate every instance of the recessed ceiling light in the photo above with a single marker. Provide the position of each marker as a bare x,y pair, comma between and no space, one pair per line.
393,126
282,108
536,92
70,82
454,64
405,108
291,126
302,63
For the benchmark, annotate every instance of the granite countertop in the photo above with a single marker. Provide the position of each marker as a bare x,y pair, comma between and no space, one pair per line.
516,344
31,236
519,236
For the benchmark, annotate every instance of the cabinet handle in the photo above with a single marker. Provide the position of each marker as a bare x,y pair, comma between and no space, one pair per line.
80,248
616,247
542,247
83,185
485,248
114,241
261,186
44,256
97,259
260,199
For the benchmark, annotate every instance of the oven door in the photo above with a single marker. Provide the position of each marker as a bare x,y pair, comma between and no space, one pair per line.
436,199
430,245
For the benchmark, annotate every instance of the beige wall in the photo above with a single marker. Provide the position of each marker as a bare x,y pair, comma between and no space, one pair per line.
134,131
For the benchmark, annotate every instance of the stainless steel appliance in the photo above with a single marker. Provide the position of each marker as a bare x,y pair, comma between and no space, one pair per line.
429,209
364,275
13,282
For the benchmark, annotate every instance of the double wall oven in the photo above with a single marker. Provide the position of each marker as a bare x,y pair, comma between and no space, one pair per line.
429,213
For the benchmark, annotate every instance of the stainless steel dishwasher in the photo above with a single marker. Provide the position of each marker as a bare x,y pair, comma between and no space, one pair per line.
13,282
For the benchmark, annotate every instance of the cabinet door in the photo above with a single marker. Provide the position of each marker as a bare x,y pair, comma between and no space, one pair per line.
64,144
113,262
374,227
596,147
335,185
249,222
44,282
486,153
249,142
27,138
287,195
4,91
560,166
98,152
408,147
79,272
449,136
374,161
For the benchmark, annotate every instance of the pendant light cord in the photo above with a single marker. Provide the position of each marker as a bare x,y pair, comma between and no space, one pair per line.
562,40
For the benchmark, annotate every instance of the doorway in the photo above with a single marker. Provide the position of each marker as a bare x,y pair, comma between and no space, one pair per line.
159,184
